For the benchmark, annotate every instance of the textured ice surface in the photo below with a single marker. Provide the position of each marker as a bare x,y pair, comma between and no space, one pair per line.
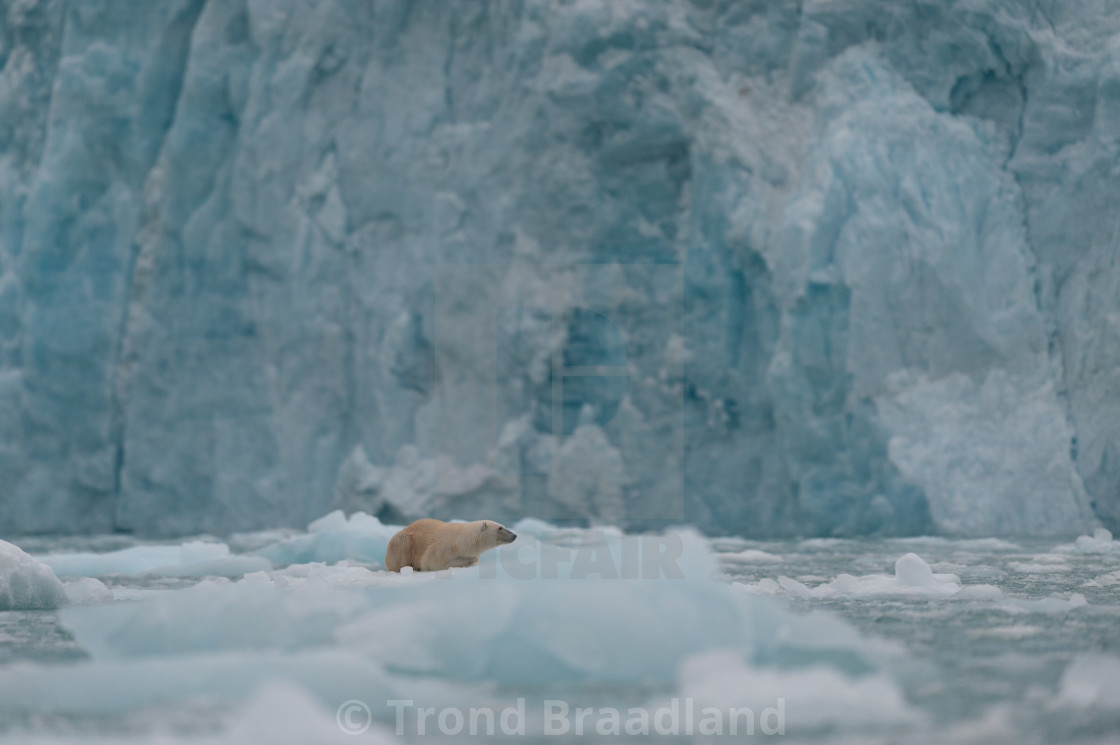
1051,605
276,714
87,591
816,698
543,618
580,608
1100,542
752,555
192,559
334,538
26,584
576,612
912,576
889,229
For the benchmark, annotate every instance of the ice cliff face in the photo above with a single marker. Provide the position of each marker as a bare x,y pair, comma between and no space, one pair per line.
768,267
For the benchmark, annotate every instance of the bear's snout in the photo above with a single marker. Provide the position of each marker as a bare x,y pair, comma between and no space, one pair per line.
507,536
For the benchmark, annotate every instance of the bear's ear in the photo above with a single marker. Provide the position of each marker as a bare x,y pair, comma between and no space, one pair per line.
483,528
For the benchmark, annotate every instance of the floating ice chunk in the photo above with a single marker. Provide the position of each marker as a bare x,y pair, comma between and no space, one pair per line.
88,591
986,544
1039,568
331,521
751,555
1051,605
249,542
912,576
1091,680
793,587
813,698
590,621
963,544
1105,580
113,686
762,587
534,527
1014,631
257,612
26,584
978,592
279,713
190,559
286,715
1099,543
979,571
334,538
911,571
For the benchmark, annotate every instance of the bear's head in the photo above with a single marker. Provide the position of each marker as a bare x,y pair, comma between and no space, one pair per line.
494,534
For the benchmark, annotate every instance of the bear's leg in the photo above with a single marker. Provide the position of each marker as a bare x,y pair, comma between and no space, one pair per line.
399,553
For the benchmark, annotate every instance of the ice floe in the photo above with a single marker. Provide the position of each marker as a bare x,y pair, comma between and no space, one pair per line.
189,559
26,584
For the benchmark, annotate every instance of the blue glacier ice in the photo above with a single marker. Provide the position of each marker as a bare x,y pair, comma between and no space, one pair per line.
767,267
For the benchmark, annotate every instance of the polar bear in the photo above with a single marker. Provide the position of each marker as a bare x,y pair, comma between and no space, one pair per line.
430,545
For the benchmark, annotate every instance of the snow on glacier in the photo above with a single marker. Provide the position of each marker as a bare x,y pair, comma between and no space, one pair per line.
894,227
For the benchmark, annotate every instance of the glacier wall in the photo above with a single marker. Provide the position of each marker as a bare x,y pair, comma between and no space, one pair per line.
773,268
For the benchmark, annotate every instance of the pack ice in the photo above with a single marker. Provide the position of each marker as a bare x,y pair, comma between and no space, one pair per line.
561,607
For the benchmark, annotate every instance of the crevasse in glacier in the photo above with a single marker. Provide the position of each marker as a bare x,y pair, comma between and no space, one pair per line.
766,267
